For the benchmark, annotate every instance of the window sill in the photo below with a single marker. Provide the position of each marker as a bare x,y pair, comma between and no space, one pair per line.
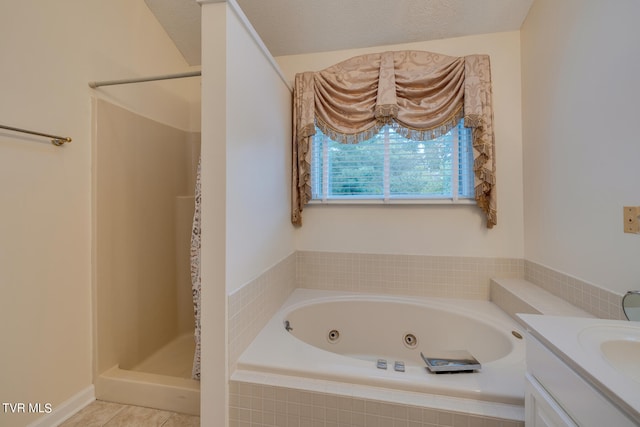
365,201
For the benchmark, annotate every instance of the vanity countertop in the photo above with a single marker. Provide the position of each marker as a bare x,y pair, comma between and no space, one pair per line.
606,353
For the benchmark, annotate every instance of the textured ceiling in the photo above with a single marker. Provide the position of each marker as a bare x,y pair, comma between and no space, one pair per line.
181,20
303,26
289,27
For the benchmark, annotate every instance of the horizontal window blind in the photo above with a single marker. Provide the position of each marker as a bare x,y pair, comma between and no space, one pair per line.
389,166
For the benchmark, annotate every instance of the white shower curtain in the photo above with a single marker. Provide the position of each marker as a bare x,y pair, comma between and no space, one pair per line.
195,276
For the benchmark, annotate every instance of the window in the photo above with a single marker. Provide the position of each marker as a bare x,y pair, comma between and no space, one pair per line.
392,168
415,92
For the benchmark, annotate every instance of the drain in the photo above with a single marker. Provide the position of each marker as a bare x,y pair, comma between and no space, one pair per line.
516,334
333,336
410,340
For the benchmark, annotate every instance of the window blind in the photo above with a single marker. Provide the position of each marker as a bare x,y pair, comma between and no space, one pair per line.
391,167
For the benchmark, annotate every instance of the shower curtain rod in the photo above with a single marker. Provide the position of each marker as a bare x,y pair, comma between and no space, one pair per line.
94,85
55,140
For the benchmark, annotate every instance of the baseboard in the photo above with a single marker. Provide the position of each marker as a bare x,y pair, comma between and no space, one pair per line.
66,409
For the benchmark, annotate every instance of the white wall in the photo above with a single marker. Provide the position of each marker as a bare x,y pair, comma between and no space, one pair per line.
580,67
213,298
259,230
246,116
433,229
50,50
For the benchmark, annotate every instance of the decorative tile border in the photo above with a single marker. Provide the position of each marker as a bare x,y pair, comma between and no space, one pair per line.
599,302
420,275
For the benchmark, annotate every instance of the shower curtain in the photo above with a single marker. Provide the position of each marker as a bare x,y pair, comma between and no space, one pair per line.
195,276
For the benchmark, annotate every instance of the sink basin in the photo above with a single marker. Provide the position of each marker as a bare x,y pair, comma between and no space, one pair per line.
603,352
624,356
619,346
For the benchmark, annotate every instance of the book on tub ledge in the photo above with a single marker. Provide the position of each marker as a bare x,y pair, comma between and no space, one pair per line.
451,361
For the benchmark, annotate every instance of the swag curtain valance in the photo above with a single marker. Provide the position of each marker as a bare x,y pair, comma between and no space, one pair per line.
422,94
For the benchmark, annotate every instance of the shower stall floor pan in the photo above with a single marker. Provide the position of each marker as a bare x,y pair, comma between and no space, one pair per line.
162,381
149,390
174,359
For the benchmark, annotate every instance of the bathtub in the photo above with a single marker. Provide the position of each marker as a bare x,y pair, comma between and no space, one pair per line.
339,336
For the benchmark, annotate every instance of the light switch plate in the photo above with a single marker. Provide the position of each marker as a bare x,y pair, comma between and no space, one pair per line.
631,222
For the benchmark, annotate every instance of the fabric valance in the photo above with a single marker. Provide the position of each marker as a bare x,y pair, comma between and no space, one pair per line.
422,94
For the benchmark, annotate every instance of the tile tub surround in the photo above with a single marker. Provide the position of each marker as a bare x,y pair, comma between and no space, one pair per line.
597,301
251,306
515,296
254,402
445,276
459,277
282,403
420,275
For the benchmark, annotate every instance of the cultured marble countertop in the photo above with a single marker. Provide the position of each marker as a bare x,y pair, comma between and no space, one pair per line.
576,340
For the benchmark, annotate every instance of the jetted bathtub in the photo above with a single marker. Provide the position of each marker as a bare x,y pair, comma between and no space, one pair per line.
340,336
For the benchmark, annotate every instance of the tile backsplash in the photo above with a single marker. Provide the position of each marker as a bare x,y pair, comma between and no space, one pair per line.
597,301
421,275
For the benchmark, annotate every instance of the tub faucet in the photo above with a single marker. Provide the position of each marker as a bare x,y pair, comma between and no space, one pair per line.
287,326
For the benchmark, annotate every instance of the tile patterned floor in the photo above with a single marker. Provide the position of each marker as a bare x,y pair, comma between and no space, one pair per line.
108,414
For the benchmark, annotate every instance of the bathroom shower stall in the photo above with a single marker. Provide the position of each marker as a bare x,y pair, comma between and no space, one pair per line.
145,174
